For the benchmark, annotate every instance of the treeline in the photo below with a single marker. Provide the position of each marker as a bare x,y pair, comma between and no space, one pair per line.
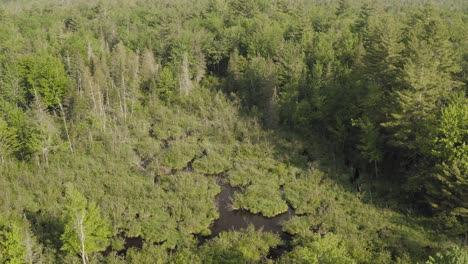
126,100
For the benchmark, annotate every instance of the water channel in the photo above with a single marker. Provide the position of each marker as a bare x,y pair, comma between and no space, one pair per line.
232,220
237,219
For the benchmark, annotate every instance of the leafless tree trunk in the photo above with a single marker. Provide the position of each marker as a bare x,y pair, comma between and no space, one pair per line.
29,248
184,78
124,96
82,238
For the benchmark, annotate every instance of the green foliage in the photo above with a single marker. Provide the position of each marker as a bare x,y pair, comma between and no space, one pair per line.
258,88
265,199
148,254
245,246
12,241
451,131
166,85
426,78
8,141
454,255
44,78
285,91
260,178
180,153
304,193
216,160
446,183
383,56
192,209
326,250
86,231
19,136
370,145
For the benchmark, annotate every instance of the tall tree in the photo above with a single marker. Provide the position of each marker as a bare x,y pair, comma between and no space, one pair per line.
426,79
447,185
86,231
44,78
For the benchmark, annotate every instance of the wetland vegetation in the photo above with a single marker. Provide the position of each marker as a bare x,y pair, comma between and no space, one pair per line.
233,131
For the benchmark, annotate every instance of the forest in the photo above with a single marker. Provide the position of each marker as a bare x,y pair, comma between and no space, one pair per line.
234,131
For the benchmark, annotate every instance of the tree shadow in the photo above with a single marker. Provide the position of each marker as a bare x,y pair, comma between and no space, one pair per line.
47,227
411,229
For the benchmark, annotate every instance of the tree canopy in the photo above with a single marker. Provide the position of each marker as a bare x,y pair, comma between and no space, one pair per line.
329,131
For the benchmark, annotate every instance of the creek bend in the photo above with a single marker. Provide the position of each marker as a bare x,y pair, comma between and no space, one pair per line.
232,220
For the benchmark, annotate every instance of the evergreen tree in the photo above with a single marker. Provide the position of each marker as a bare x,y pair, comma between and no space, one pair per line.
260,88
426,79
383,57
370,142
44,78
447,185
166,87
8,142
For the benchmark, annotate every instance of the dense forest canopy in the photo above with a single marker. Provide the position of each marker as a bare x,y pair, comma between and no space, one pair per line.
121,122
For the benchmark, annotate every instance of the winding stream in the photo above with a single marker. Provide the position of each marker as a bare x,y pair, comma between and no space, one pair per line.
231,220
237,219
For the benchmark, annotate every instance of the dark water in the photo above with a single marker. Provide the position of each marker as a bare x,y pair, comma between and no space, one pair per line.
237,219
130,242
231,220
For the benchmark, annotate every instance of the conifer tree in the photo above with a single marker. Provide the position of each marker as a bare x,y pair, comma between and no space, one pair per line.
383,57
447,185
426,79
44,78
8,142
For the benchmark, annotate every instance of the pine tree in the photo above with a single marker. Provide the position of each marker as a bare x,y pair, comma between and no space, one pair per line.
86,231
8,142
447,185
370,144
383,53
426,79
343,6
235,71
44,78
166,84
260,88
